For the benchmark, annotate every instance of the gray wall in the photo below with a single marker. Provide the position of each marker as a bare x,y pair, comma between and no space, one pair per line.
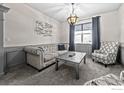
20,25
122,55
1,44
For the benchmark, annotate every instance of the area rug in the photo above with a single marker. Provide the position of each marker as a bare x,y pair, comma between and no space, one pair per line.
66,74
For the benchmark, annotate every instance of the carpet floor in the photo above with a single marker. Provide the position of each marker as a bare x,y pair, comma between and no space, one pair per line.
26,75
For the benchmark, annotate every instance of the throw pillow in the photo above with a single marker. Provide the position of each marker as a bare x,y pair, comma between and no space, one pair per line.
61,47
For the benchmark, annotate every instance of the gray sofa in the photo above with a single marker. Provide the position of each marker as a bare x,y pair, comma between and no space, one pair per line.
41,56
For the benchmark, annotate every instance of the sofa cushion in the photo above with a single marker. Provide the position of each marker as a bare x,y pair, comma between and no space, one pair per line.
50,56
62,52
49,48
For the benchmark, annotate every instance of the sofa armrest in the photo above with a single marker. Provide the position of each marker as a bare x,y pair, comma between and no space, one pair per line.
35,57
33,50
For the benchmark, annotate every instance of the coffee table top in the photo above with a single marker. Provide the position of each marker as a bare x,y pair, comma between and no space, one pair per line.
76,57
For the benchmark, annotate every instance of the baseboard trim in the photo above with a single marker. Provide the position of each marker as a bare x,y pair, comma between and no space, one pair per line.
1,74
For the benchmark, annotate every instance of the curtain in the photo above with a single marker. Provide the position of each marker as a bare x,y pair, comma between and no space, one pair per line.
71,38
95,33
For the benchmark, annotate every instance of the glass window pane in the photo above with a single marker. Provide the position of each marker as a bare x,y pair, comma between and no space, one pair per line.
78,37
78,27
87,26
87,37
83,33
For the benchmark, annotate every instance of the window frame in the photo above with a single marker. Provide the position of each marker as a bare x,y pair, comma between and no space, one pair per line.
82,29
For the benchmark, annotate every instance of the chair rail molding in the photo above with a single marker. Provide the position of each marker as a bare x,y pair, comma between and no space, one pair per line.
4,9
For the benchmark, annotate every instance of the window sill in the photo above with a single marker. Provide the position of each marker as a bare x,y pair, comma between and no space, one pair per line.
83,44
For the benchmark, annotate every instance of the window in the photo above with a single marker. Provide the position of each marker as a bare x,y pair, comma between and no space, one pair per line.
83,33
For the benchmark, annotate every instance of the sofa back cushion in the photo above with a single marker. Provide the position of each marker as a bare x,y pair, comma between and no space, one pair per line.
33,50
49,48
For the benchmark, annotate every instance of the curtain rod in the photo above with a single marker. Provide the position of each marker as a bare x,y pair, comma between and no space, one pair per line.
85,18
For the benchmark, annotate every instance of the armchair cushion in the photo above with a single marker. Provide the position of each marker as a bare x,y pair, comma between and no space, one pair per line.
98,55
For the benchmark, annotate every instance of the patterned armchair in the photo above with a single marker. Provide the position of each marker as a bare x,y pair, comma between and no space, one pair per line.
107,53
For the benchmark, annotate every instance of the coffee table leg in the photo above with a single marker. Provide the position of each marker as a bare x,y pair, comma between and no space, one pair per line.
85,60
77,71
56,66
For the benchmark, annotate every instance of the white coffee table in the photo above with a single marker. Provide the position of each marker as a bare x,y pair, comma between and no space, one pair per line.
72,58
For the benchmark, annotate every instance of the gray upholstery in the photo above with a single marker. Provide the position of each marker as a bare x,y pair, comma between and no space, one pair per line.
62,52
40,56
48,57
33,50
107,53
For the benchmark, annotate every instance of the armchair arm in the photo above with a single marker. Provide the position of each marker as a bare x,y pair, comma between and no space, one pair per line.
96,51
110,54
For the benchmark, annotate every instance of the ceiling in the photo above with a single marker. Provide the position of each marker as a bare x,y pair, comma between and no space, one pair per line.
60,11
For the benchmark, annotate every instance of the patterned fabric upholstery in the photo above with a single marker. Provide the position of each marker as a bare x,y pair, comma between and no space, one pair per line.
107,53
109,79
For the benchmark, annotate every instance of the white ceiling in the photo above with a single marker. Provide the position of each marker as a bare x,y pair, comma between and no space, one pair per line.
60,11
